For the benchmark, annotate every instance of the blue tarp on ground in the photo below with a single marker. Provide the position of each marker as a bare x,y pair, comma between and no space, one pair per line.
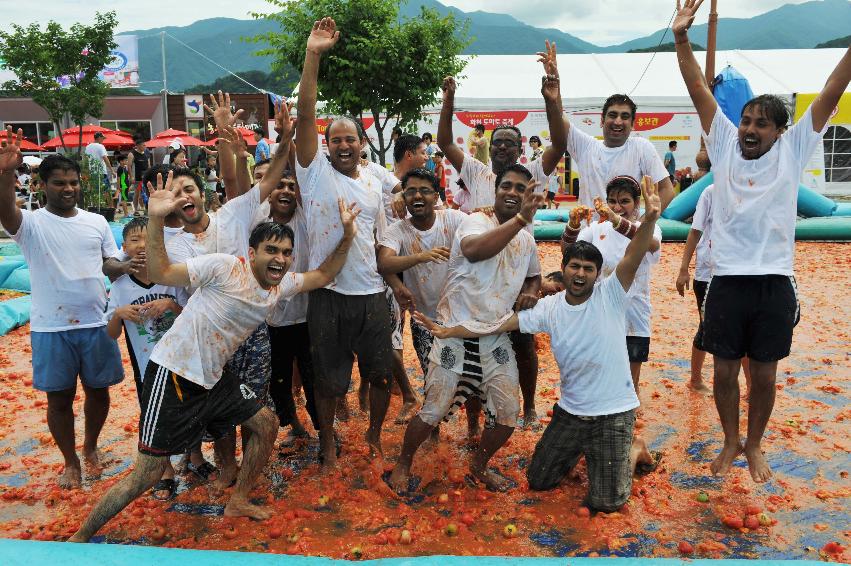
33,553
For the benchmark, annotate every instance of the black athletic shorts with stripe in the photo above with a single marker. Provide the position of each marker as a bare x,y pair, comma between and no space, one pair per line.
176,412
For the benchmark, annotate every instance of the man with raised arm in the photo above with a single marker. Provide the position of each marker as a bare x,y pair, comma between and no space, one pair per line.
751,305
349,316
586,322
65,249
189,388
492,264
505,145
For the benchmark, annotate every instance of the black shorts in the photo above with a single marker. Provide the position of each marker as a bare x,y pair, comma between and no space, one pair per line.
551,195
750,315
638,348
176,411
699,288
342,327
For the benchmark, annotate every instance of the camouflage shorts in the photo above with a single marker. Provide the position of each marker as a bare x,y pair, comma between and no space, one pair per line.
252,365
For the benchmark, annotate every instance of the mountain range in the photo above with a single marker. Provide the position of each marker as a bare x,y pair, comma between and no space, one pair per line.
220,40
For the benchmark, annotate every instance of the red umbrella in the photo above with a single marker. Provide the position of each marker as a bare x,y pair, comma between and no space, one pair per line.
87,129
27,145
110,141
171,133
248,136
184,140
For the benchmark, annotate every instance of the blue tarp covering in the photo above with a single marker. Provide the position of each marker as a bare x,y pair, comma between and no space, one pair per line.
33,553
732,91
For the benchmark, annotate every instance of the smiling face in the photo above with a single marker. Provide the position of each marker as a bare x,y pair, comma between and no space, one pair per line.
757,132
420,197
134,243
579,278
193,211
270,261
417,159
180,159
62,189
622,203
616,124
259,172
344,146
509,195
505,148
284,198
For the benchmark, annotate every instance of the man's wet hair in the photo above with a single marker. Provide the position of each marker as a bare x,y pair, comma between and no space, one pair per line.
423,174
56,162
262,162
516,168
358,127
150,175
514,129
270,231
585,251
406,142
620,99
556,276
772,106
191,173
139,223
624,184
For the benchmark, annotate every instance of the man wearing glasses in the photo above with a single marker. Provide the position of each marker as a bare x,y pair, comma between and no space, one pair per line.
506,143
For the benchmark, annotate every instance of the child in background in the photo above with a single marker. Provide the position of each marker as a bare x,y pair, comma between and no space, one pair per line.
440,173
122,184
144,311
212,180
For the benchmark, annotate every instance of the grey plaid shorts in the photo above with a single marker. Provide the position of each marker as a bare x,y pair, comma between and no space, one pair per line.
252,364
605,441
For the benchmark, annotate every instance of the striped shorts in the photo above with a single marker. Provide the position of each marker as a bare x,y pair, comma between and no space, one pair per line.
176,411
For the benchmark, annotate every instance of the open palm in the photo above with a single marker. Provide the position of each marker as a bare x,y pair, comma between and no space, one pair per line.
685,15
10,153
323,36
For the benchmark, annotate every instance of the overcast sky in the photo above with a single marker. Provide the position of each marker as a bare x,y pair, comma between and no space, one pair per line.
604,22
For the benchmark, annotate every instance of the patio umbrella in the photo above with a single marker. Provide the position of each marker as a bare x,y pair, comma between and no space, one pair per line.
87,129
110,141
27,145
248,135
171,133
184,140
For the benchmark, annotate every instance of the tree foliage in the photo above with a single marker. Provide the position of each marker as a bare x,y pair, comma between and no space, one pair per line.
382,66
43,60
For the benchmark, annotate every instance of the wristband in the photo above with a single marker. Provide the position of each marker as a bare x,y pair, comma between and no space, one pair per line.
520,220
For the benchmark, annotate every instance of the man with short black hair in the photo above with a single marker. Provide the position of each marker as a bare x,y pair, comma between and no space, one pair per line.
262,151
671,161
65,249
141,160
99,159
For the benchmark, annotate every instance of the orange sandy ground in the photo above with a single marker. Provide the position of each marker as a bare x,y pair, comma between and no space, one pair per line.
808,444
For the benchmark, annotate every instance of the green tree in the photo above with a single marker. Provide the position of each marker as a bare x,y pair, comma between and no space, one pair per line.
43,60
382,66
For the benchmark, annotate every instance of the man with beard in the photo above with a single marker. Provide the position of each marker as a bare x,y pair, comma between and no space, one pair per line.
491,261
349,317
595,414
506,143
65,249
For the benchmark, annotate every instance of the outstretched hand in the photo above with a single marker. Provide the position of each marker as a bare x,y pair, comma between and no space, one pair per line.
604,211
434,329
532,201
652,202
449,86
348,214
686,12
164,199
550,86
284,124
579,213
10,153
220,109
323,36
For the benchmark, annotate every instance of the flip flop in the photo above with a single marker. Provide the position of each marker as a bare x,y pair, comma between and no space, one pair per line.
643,468
202,472
167,485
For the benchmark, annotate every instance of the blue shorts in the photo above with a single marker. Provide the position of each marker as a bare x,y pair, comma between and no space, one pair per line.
59,357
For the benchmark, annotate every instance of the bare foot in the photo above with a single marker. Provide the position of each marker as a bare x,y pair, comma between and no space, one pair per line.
638,452
94,462
242,508
363,398
530,420
406,412
758,465
699,387
227,476
399,478
491,480
474,431
721,465
76,537
374,443
71,477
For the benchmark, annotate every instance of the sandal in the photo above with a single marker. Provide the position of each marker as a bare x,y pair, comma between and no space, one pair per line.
202,472
167,485
644,468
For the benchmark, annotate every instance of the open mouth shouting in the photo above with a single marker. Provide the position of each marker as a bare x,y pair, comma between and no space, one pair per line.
275,272
511,202
418,205
577,284
189,210
750,144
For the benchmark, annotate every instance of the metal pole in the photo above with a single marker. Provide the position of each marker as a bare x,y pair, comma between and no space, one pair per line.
710,42
165,81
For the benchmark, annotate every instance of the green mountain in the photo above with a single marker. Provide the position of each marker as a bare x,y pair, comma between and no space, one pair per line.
793,26
840,42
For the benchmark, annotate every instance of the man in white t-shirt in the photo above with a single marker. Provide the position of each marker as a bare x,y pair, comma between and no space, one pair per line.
595,414
99,158
492,263
65,249
751,305
188,387
506,143
350,316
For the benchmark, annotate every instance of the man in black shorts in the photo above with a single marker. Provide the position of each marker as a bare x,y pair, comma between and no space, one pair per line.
751,305
188,387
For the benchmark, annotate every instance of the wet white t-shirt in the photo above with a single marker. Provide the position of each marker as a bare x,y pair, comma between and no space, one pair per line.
65,259
588,344
388,183
425,280
226,307
480,296
702,221
755,201
481,181
320,186
598,164
613,247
